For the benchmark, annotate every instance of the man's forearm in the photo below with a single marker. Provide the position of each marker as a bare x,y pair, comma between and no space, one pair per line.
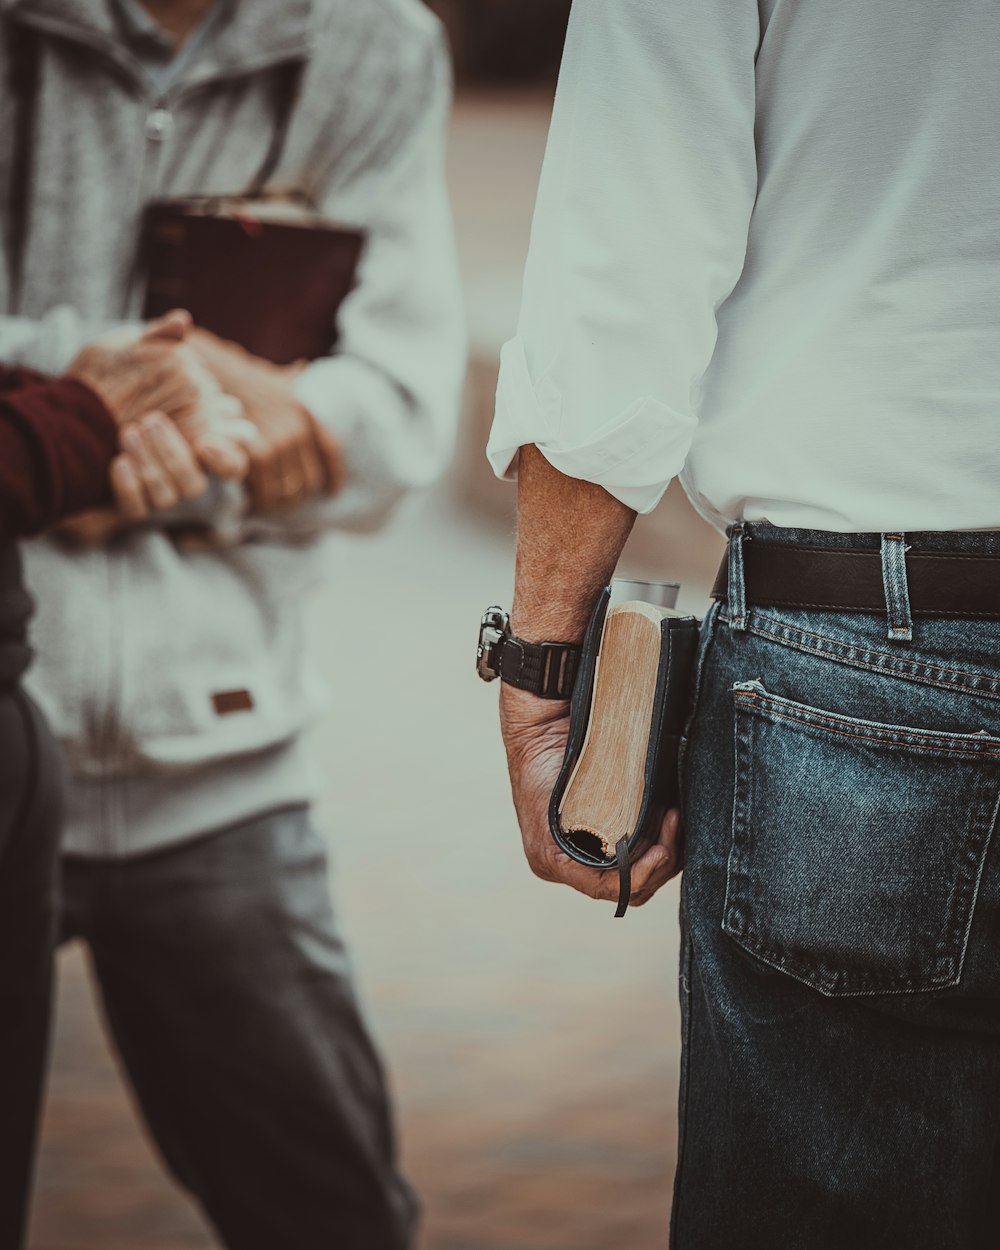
570,535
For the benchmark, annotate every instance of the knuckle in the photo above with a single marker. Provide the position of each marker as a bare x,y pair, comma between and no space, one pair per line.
192,485
540,867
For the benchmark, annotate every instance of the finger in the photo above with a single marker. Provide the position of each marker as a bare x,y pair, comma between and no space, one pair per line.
551,863
286,480
265,473
664,869
331,455
223,457
227,412
264,452
291,477
156,483
660,863
173,326
177,457
126,487
168,385
311,471
220,436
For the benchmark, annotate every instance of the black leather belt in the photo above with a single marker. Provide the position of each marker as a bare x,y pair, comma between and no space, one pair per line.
828,579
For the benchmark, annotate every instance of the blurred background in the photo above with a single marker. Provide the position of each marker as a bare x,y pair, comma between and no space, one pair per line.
532,1040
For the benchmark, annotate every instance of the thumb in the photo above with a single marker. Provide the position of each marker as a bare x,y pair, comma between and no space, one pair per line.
172,327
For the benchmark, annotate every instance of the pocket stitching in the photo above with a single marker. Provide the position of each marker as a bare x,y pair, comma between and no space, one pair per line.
947,966
893,735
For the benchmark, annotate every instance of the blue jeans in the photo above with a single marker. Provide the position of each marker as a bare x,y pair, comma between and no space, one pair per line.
840,979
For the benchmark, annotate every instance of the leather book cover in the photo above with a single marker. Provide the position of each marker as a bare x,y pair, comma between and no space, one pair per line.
268,276
629,705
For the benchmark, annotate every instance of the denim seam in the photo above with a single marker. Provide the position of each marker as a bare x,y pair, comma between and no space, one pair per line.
892,737
684,1091
742,805
860,987
838,651
976,888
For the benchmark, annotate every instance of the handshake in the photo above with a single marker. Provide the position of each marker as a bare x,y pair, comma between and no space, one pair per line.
190,405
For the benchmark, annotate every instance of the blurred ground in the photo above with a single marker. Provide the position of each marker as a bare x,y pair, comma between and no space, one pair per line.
532,1039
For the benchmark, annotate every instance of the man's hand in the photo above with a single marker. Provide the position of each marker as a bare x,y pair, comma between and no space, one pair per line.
156,471
156,371
293,458
535,732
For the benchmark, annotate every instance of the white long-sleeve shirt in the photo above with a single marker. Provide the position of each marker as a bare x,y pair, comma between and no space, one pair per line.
766,257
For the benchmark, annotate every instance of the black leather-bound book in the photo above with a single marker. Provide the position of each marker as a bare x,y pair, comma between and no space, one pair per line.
266,274
630,701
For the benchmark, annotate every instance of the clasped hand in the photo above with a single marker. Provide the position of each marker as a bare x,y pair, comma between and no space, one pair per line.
189,406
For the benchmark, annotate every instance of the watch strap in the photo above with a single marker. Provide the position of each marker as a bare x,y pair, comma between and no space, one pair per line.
547,669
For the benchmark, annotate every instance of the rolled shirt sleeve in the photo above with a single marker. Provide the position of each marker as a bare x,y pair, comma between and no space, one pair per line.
640,233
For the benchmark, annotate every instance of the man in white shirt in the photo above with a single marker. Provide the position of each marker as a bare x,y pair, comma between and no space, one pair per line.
765,259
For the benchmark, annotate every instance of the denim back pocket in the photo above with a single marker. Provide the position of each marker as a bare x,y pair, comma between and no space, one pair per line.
857,847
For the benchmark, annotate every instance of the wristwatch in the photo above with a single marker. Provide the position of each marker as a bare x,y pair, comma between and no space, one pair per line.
547,669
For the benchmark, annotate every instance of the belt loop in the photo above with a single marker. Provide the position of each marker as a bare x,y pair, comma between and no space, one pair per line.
737,592
897,594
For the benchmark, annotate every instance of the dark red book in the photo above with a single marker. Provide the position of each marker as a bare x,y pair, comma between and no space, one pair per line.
266,274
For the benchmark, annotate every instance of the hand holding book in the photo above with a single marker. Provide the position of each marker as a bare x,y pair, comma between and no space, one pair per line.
536,745
619,776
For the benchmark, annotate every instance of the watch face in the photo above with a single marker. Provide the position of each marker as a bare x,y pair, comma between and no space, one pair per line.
492,630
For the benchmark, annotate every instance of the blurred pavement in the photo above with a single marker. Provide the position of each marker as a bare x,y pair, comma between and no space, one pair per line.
532,1039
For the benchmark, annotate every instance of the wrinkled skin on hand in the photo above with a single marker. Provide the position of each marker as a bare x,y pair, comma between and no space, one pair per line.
156,370
177,424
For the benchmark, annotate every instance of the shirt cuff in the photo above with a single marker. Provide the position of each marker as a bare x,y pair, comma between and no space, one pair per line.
634,455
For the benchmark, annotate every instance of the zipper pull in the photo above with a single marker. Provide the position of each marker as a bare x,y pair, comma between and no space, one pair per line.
159,125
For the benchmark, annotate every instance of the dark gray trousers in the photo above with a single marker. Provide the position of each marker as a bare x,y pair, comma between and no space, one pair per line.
30,791
228,993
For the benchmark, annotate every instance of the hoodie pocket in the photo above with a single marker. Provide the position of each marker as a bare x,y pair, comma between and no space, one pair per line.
857,847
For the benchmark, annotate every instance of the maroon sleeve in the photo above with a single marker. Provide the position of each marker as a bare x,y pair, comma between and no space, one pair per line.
57,441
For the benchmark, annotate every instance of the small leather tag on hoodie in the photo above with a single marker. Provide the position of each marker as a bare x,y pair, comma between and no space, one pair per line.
226,702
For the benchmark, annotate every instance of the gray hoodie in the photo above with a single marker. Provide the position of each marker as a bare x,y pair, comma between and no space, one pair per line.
137,641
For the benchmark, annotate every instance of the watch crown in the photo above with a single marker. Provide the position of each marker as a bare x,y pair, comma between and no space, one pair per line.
493,629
